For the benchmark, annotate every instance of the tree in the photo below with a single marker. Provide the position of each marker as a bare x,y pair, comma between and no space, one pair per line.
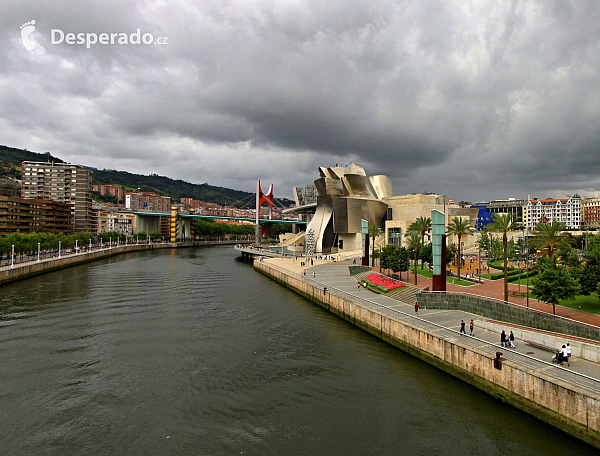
426,254
459,227
553,283
503,224
400,261
154,235
589,278
376,255
374,232
549,236
413,242
422,226
387,256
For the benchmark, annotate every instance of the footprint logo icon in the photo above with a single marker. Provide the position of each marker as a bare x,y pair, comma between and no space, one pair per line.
26,30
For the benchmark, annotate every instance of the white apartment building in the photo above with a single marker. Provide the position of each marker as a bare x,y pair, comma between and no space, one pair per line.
115,221
62,182
565,210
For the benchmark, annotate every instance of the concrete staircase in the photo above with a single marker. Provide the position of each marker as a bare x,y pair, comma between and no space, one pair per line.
296,238
406,294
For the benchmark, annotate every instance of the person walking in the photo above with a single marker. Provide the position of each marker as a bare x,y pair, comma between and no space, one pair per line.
358,284
462,328
471,325
503,339
314,274
416,308
562,355
511,340
568,350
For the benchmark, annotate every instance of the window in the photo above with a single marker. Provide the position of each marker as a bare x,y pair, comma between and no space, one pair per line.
395,236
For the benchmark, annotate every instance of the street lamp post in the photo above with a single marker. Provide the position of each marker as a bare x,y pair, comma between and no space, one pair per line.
76,247
527,276
38,252
12,256
59,247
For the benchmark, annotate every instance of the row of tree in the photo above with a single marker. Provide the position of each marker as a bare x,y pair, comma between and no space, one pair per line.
28,242
211,228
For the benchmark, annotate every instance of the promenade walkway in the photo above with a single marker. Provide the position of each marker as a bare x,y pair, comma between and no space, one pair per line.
335,276
495,289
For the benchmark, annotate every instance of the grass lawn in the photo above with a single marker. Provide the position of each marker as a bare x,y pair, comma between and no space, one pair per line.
429,274
589,304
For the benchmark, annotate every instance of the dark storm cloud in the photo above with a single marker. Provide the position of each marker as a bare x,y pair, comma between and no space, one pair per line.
476,100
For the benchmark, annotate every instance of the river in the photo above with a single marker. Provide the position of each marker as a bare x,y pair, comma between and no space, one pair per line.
191,352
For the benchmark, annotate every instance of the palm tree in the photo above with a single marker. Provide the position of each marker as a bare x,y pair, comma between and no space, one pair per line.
550,236
503,224
413,242
374,232
423,226
459,227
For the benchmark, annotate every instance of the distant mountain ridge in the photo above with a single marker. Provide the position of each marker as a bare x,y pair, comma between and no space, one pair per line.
10,167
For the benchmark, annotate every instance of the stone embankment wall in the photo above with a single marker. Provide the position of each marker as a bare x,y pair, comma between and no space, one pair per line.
33,268
499,310
558,403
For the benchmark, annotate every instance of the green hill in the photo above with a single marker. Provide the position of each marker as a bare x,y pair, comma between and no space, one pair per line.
10,169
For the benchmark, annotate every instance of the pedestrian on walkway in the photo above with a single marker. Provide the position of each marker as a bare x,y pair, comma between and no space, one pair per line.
511,340
567,354
471,327
503,339
314,274
358,284
462,328
416,308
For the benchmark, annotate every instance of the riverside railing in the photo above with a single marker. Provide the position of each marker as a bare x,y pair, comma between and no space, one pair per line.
551,370
79,254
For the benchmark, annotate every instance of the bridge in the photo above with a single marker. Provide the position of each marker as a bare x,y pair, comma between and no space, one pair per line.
150,221
180,223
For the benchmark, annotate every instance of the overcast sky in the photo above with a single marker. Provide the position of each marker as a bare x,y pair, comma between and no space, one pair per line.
478,100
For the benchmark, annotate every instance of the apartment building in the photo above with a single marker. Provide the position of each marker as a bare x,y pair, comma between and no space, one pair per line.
113,190
63,183
147,202
590,212
119,222
565,210
25,215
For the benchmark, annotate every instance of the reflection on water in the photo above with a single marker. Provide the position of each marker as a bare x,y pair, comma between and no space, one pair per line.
192,352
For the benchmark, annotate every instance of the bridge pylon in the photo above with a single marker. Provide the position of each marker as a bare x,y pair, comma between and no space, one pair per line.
260,199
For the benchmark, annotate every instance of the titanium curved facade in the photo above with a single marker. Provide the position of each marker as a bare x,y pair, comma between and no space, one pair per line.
345,196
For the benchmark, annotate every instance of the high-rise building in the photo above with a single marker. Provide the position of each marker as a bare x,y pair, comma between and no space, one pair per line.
64,183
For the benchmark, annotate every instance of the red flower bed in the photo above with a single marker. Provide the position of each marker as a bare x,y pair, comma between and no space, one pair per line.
381,281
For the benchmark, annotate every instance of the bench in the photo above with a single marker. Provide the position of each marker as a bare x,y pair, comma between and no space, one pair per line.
517,294
540,346
546,348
